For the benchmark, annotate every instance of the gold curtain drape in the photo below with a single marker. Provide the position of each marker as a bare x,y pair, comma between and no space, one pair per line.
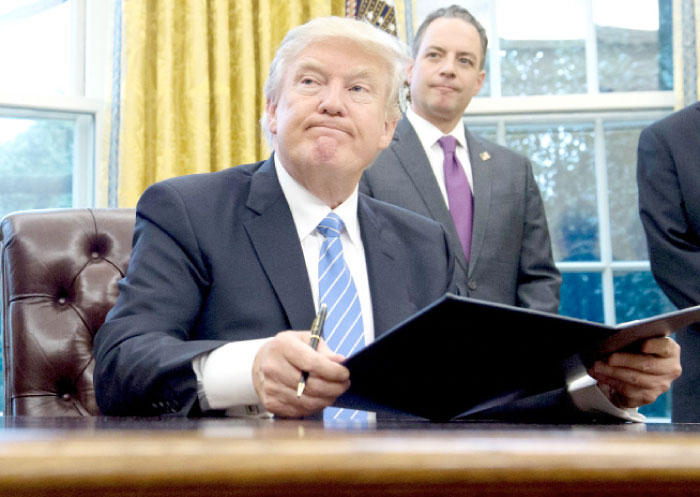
686,51
190,86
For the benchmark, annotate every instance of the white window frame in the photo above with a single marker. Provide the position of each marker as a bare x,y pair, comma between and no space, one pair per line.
577,108
90,35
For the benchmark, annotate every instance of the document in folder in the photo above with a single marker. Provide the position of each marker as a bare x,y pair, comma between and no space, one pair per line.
460,356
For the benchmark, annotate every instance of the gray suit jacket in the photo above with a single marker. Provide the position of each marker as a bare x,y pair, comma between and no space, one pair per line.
217,258
511,256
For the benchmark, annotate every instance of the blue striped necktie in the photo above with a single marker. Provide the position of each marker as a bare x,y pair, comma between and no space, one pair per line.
343,330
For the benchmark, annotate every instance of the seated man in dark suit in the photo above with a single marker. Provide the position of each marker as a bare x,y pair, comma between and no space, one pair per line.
225,264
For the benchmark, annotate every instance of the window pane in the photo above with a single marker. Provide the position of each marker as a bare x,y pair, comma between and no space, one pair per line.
489,132
582,296
637,296
563,162
36,163
627,235
539,56
36,42
631,47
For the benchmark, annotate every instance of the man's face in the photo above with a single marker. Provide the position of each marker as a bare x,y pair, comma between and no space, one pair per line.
330,120
446,73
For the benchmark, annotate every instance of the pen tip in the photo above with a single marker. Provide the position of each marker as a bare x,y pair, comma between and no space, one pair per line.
300,389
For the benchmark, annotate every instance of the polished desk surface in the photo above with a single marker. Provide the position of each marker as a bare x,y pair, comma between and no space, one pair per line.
176,457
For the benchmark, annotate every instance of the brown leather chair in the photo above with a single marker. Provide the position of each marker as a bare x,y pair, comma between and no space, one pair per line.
60,270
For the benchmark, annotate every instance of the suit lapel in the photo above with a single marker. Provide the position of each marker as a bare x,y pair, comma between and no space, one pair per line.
388,291
696,120
481,175
408,148
276,242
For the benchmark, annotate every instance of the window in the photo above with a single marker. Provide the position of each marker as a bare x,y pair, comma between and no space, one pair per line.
51,99
573,96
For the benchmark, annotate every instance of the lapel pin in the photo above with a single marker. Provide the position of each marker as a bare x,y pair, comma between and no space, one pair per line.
485,156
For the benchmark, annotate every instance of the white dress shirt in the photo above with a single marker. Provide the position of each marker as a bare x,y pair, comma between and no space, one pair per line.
429,134
224,375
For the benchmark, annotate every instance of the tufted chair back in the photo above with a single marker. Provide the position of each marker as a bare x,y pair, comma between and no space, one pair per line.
60,270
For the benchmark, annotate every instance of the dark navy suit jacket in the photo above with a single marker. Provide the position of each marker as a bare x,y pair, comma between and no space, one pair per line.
668,174
216,258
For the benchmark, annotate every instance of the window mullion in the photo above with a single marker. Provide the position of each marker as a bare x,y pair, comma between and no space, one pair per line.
83,161
78,32
591,51
494,52
606,255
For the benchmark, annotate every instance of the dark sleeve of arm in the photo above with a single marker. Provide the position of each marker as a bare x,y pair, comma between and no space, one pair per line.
538,277
143,353
674,247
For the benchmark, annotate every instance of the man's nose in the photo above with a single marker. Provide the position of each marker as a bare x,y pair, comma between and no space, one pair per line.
332,99
447,67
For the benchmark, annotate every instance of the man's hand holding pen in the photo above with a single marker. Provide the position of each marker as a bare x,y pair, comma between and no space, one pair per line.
279,365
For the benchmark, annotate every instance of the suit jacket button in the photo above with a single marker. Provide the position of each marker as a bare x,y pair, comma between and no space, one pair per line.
472,285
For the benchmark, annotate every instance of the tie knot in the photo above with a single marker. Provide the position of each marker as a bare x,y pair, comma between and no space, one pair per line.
331,225
448,144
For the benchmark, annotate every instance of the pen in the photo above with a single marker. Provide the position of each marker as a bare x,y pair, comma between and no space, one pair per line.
316,332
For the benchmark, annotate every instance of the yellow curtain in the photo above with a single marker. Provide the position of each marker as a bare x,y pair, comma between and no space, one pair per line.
191,82
686,51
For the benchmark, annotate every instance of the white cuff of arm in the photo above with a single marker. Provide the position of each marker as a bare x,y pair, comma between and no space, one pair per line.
225,377
588,397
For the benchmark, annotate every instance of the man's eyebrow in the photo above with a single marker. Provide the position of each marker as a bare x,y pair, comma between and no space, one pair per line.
469,53
308,65
435,48
311,65
461,53
361,72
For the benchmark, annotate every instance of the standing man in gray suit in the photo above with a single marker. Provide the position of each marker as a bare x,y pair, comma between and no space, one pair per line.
496,223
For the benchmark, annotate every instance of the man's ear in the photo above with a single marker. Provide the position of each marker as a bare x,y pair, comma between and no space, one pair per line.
271,112
387,133
409,71
480,80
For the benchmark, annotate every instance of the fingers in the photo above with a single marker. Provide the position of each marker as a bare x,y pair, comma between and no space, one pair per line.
278,367
323,349
630,387
635,379
662,347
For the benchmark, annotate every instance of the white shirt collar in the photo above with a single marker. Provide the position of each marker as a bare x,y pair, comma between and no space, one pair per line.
308,210
429,134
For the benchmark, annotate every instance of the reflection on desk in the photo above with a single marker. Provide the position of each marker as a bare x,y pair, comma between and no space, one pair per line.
211,457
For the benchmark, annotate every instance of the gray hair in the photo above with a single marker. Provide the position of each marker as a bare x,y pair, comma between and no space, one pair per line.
379,42
452,12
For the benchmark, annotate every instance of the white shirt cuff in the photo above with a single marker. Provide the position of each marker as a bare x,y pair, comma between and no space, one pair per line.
588,397
225,378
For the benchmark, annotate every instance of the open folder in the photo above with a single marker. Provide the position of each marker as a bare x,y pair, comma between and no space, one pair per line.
460,356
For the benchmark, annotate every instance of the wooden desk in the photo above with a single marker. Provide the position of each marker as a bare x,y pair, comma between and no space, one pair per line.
173,458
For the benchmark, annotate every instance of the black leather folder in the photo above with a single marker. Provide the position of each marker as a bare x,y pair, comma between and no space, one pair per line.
461,356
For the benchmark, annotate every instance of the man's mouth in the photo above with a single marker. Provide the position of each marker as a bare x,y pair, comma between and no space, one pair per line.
326,127
444,87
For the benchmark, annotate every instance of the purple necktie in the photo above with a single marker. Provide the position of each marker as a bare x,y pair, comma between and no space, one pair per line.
459,194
